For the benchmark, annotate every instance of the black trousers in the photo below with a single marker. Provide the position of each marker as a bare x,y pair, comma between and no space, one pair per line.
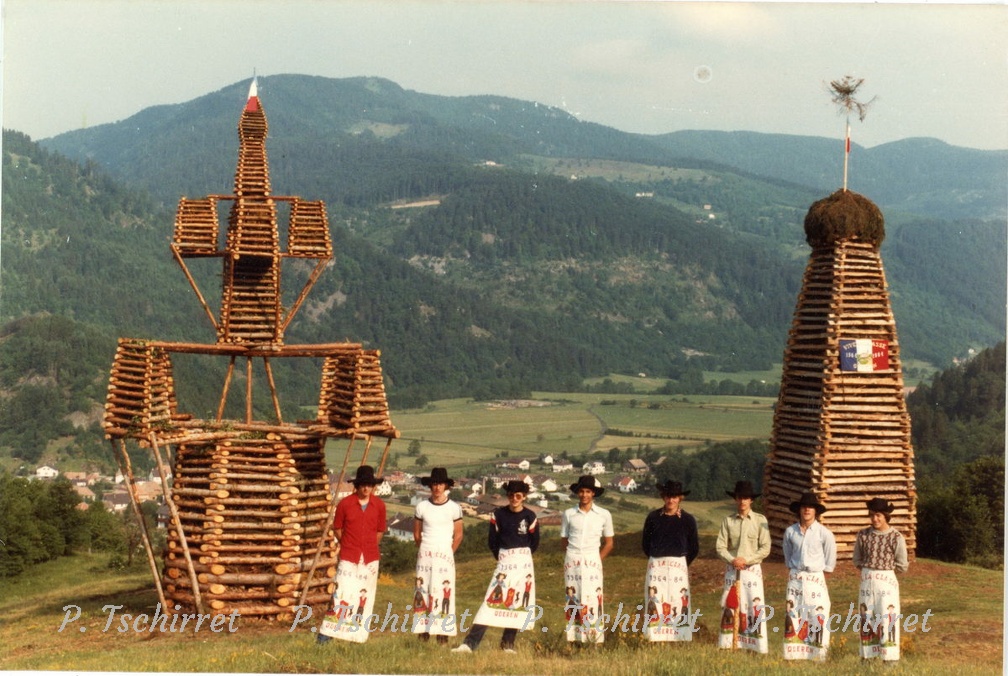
478,630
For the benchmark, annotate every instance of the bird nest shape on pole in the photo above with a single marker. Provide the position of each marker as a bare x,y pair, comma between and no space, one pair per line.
844,215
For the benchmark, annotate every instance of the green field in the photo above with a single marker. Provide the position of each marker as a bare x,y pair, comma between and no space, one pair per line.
462,433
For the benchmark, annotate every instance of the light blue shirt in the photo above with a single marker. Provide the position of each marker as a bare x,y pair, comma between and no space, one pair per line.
813,551
584,531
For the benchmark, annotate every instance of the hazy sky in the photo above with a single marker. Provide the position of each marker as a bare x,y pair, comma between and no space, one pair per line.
653,67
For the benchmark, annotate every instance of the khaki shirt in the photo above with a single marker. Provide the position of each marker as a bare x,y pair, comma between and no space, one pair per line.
748,538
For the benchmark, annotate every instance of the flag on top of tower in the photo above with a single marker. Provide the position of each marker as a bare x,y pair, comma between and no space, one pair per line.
253,97
864,355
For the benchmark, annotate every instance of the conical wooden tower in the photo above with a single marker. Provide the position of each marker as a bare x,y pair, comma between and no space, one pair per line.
841,427
250,500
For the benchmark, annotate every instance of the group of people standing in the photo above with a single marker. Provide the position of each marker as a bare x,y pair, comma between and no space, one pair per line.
810,555
671,542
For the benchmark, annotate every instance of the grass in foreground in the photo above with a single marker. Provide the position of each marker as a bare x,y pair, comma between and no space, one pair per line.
966,620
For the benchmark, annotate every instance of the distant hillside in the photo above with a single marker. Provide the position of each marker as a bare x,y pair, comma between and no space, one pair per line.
336,119
547,250
922,176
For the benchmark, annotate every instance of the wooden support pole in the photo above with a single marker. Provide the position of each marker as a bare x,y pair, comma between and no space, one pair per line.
248,390
227,386
315,274
324,525
162,471
123,462
195,287
273,390
384,456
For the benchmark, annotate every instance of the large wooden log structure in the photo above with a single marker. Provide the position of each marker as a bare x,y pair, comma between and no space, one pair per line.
841,427
250,501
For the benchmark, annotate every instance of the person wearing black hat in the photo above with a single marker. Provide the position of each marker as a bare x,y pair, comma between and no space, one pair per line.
879,553
809,554
437,531
582,529
742,543
359,523
671,542
509,600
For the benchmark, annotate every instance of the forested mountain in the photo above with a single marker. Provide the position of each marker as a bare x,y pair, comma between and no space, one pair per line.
548,249
925,177
959,441
323,132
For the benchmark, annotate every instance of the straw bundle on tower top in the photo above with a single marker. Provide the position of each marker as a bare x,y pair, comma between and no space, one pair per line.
844,215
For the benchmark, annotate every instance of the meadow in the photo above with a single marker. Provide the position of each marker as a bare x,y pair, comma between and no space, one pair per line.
964,636
965,604
463,433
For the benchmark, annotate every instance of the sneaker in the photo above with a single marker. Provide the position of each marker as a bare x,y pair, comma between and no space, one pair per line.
510,650
462,649
322,639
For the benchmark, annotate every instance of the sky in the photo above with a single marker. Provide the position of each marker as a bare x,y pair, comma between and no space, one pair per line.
653,67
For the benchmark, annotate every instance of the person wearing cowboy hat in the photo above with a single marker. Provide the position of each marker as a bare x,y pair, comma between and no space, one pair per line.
513,538
879,553
742,543
582,529
671,542
809,554
359,523
437,532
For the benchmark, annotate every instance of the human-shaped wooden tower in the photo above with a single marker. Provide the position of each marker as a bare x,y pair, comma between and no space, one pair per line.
250,500
841,427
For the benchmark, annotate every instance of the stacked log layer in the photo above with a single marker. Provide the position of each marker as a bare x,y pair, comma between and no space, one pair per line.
843,435
308,232
196,227
141,391
252,512
352,395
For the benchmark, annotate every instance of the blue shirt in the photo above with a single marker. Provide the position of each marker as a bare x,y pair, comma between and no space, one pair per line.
813,551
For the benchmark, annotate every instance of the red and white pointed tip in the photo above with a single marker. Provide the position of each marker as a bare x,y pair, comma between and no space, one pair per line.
252,104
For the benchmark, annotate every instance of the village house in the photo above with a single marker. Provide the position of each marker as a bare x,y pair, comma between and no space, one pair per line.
76,478
635,465
116,501
626,484
419,495
593,468
344,489
544,483
399,478
522,465
46,472
400,527
562,466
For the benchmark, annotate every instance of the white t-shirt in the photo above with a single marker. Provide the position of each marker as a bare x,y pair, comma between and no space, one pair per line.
438,523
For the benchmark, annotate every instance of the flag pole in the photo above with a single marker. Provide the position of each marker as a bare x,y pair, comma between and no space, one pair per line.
846,157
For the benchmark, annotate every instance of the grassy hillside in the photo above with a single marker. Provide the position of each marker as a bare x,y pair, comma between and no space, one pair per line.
965,607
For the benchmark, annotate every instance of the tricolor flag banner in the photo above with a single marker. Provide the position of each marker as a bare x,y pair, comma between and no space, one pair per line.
848,139
864,355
